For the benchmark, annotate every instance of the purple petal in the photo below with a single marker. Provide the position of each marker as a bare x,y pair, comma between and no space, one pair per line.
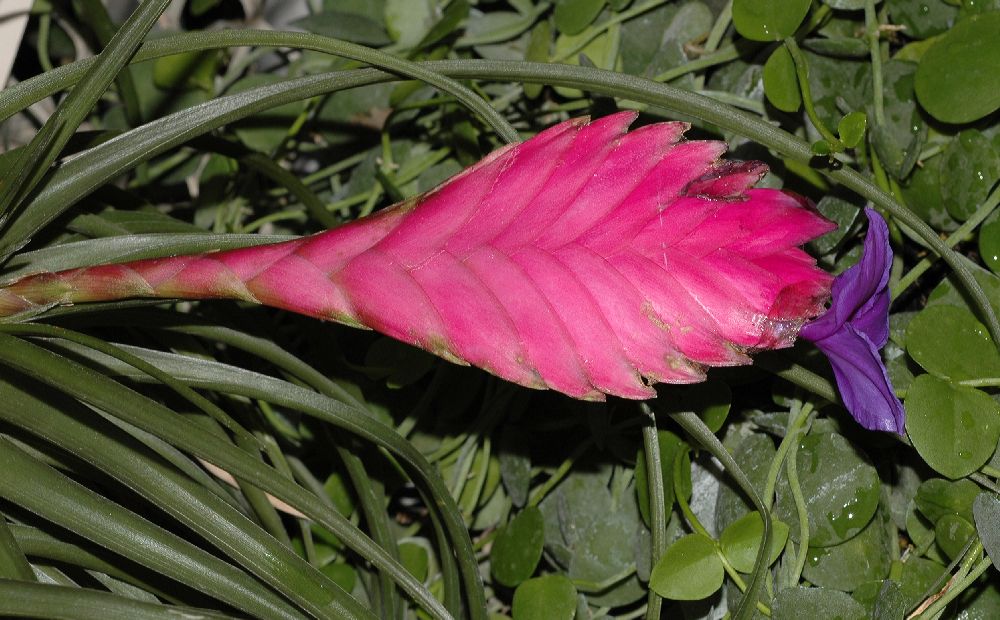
861,294
856,327
863,381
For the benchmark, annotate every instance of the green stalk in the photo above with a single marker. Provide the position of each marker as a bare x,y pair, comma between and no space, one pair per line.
694,425
657,511
802,73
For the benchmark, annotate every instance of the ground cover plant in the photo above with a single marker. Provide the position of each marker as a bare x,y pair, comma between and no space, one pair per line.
231,459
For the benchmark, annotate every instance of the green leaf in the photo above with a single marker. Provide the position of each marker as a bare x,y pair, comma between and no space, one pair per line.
923,192
989,243
689,570
754,455
515,463
518,548
969,169
866,557
408,21
69,504
958,80
19,600
670,444
899,138
768,20
573,16
851,129
741,541
937,498
987,512
552,597
265,131
780,82
798,602
347,26
952,533
538,51
948,342
190,70
822,148
922,18
416,560
955,429
840,486
453,15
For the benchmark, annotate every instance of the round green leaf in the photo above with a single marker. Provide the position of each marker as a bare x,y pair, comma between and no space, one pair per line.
768,20
518,547
840,486
741,541
899,138
866,557
415,558
852,128
821,148
689,570
922,18
970,167
954,428
936,498
343,575
796,603
987,511
958,80
918,529
947,341
951,533
989,243
573,16
552,597
781,86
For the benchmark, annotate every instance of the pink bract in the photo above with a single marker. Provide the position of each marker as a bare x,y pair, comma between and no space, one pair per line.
587,260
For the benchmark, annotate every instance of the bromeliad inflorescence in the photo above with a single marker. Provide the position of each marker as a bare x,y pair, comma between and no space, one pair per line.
587,260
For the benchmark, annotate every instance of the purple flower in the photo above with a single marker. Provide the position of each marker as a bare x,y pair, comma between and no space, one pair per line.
856,327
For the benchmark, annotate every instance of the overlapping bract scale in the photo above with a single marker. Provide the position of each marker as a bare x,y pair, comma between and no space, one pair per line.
588,259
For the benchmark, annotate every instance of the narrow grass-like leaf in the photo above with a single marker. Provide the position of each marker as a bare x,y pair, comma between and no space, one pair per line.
13,564
35,600
72,506
84,173
108,395
61,421
43,545
45,147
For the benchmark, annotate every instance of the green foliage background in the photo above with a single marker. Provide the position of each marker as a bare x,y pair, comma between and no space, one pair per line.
409,487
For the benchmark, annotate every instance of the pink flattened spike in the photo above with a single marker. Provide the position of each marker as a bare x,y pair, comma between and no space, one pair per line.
587,260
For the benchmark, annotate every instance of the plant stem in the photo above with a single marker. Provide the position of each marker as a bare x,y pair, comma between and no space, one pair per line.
657,510
963,231
802,72
872,34
694,425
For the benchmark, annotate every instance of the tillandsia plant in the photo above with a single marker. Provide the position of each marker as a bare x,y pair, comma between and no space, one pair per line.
178,434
